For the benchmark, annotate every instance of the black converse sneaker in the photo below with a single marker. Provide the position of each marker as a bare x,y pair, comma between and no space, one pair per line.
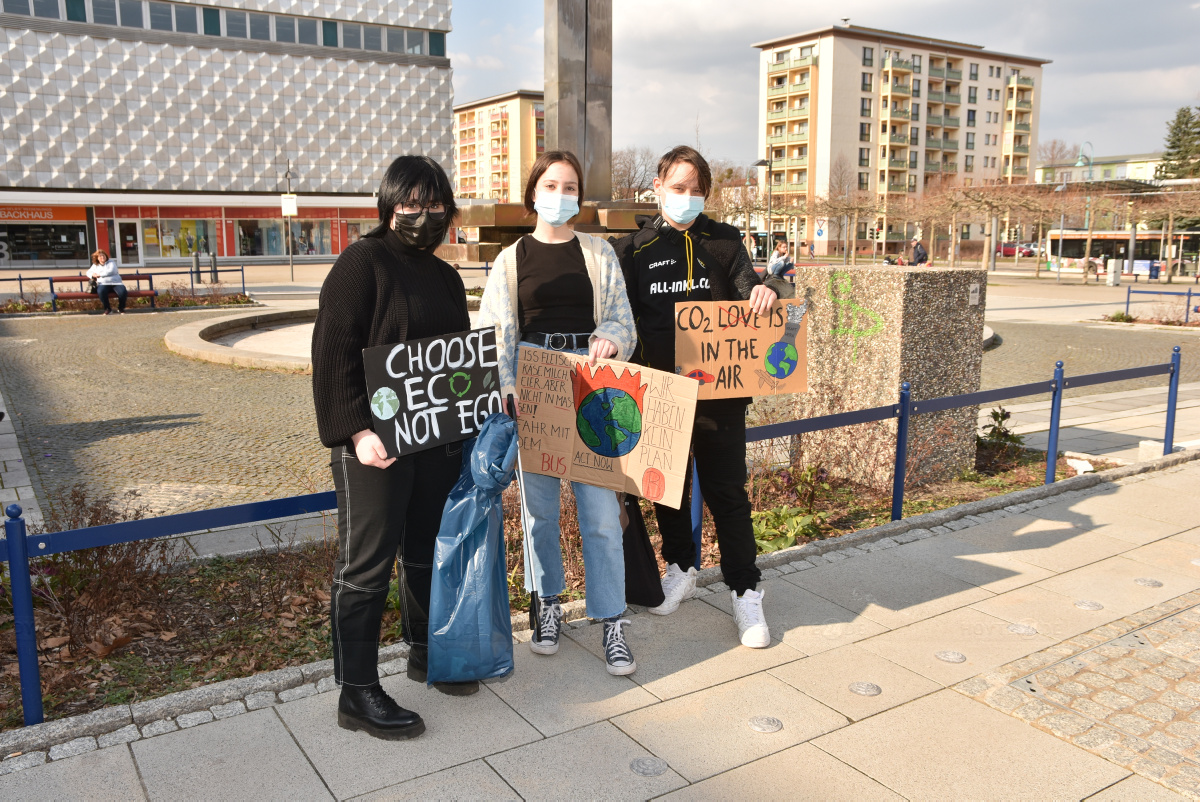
545,636
616,650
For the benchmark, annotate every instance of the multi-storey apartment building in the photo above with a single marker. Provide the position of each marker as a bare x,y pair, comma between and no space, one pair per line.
847,108
156,130
1137,167
497,140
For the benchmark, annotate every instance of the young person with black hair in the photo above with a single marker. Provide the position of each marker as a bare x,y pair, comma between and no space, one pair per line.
386,288
564,290
683,255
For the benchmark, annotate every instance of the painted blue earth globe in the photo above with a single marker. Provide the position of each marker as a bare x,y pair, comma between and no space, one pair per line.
609,422
385,404
781,360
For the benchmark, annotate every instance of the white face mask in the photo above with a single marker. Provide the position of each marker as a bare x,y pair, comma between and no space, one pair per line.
683,209
555,208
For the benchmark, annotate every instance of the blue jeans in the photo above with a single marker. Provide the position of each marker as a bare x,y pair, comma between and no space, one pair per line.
600,527
104,290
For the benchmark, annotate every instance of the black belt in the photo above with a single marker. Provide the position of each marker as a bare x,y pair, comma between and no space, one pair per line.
557,341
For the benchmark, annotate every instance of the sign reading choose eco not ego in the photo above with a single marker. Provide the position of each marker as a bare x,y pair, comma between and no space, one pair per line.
432,391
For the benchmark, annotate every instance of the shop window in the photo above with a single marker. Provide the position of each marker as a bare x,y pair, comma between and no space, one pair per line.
42,242
131,14
185,19
372,38
306,31
261,238
151,245
285,29
357,229
235,24
329,35
212,21
77,10
45,8
351,36
260,27
312,237
160,17
437,43
182,238
104,12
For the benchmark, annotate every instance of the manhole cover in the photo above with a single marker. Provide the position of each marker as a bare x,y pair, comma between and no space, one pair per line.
1146,582
648,766
951,657
865,688
766,724
1085,604
1022,629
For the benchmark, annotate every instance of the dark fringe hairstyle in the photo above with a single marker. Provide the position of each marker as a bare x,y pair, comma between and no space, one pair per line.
403,177
691,156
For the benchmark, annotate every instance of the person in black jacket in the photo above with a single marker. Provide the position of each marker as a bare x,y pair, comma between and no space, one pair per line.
683,255
920,255
386,288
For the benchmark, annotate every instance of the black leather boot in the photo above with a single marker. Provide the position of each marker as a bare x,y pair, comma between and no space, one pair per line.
418,670
371,710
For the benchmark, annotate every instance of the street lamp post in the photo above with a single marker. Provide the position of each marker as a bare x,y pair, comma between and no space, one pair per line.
1062,224
769,163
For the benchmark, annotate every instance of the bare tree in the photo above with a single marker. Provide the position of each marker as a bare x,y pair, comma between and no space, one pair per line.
1056,151
633,172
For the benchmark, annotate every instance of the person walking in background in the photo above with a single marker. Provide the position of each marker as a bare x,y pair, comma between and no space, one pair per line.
683,255
563,290
920,256
107,274
386,288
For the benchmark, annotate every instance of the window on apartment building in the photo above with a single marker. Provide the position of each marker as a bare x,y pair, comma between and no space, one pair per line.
987,139
781,56
864,180
260,27
915,112
1108,172
329,33
868,57
991,72
970,118
912,160
882,177
131,14
351,36
77,10
212,21
968,164
779,80
777,153
235,24
970,144
972,94
965,231
866,81
865,107
104,12
973,73
41,8
285,29
777,130
160,17
372,38
306,31
914,135
916,87
415,43
862,153
864,132
437,43
916,60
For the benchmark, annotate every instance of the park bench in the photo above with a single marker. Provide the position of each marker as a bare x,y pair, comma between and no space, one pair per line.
81,295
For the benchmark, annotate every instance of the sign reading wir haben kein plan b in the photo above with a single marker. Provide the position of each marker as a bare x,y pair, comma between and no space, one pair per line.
432,391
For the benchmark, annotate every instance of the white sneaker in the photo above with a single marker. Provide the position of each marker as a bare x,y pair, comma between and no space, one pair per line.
677,586
748,614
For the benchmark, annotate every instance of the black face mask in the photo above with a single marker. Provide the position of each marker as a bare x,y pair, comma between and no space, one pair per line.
422,230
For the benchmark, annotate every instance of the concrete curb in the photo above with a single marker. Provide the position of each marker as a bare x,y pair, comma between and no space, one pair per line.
989,337
131,311
193,340
121,724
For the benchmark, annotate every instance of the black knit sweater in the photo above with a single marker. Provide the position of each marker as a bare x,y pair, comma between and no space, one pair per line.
379,292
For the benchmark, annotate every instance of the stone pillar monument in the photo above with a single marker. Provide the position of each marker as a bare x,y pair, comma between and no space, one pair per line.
578,53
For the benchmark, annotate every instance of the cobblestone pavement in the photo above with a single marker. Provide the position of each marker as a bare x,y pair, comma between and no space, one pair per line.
100,400
1028,351
1128,691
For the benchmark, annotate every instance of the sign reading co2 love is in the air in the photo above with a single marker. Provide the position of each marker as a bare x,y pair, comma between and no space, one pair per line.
432,391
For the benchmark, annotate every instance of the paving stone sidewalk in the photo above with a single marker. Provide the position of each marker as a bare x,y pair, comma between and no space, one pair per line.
890,677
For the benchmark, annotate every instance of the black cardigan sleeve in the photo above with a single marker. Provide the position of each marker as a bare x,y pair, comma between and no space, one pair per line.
341,332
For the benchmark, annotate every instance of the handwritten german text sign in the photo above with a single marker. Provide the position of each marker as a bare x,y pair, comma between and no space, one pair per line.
615,425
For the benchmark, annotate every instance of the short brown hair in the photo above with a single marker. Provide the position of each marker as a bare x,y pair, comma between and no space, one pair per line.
691,156
542,165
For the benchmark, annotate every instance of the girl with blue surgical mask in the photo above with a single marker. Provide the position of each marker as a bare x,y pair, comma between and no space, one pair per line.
563,290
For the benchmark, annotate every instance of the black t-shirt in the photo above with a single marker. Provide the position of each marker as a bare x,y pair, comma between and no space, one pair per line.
554,292
667,272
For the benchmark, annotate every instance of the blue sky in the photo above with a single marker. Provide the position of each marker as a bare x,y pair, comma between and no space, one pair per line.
1120,69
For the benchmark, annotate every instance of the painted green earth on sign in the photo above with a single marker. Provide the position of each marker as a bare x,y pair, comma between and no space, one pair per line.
609,422
385,403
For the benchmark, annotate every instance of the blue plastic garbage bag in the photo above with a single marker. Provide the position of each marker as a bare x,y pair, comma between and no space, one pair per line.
470,627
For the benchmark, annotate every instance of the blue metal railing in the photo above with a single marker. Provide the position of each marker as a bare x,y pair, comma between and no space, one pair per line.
1187,309
193,277
17,545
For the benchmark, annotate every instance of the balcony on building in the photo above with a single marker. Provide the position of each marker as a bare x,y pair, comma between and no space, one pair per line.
950,122
949,144
953,75
897,164
777,89
903,90
952,99
937,72
896,114
798,161
1020,80
949,167
934,96
1019,170
933,167
934,121
896,64
1023,105
499,114
800,112
899,139
775,114
900,188
777,138
1023,128
933,144
798,136
1021,149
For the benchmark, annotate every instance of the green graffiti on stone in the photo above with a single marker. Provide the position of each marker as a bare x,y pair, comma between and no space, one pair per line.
846,313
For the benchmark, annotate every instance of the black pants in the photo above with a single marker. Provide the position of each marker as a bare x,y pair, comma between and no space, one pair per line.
719,448
104,290
384,517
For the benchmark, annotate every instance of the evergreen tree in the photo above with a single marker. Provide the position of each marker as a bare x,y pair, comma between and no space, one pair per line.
1181,156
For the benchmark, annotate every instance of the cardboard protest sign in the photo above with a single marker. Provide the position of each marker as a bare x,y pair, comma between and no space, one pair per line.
432,391
735,353
615,425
